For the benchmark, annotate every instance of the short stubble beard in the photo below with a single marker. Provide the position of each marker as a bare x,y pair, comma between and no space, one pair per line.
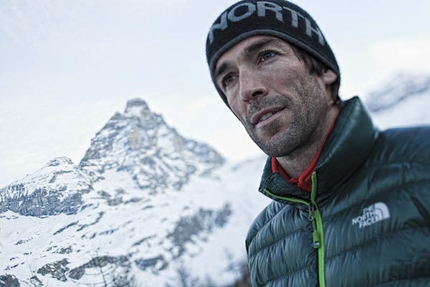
307,126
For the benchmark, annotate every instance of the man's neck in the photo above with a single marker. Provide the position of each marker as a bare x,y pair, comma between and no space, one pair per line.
294,165
298,161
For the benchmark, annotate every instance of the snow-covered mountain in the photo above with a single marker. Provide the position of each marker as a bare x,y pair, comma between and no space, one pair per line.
145,205
141,144
148,207
403,101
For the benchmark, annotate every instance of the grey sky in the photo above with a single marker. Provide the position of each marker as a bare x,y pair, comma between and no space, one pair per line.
67,66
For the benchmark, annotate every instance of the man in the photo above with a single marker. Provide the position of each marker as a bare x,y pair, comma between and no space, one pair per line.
351,204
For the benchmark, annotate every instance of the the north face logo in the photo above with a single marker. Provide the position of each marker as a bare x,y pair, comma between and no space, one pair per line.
372,214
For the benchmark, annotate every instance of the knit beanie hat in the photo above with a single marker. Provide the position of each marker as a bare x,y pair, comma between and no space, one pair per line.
278,18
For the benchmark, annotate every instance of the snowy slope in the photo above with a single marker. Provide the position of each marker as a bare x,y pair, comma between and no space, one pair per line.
154,235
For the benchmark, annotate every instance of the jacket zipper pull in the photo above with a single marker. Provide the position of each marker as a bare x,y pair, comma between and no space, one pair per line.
316,238
315,234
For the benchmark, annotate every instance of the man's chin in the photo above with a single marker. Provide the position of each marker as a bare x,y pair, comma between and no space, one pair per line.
275,145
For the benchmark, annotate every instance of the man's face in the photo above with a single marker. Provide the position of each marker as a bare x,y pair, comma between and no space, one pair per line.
281,105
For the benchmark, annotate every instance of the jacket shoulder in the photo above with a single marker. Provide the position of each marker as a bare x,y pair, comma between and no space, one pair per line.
409,144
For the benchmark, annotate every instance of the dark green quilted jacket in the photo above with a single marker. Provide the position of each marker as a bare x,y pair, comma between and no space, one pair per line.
366,221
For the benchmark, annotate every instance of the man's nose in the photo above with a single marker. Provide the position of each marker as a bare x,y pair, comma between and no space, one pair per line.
251,86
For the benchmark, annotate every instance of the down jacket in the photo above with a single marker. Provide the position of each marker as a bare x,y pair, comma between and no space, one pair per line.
366,221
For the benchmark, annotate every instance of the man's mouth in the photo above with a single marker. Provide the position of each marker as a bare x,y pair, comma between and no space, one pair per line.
264,115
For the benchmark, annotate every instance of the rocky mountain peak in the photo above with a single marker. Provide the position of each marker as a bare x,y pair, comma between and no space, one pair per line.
136,103
140,143
138,108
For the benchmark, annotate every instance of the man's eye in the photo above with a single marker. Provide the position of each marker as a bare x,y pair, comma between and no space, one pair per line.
227,80
267,55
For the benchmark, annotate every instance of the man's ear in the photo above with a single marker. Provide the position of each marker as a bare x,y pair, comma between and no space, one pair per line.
329,77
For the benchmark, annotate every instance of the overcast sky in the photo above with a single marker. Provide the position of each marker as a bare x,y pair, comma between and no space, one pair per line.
66,66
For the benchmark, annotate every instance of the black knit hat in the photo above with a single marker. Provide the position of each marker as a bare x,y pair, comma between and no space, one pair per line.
278,18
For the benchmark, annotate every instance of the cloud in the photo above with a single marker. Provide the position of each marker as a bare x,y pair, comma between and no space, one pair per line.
402,54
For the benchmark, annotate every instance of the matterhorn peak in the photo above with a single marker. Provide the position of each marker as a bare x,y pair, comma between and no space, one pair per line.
137,102
137,107
140,143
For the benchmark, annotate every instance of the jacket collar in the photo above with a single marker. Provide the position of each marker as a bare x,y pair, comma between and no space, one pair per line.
347,147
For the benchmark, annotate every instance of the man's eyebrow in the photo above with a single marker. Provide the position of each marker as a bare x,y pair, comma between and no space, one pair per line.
220,70
258,45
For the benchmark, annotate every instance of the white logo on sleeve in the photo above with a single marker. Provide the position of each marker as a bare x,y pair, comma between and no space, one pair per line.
372,214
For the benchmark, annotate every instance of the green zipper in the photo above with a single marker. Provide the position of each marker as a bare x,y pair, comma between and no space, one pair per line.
318,233
315,217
